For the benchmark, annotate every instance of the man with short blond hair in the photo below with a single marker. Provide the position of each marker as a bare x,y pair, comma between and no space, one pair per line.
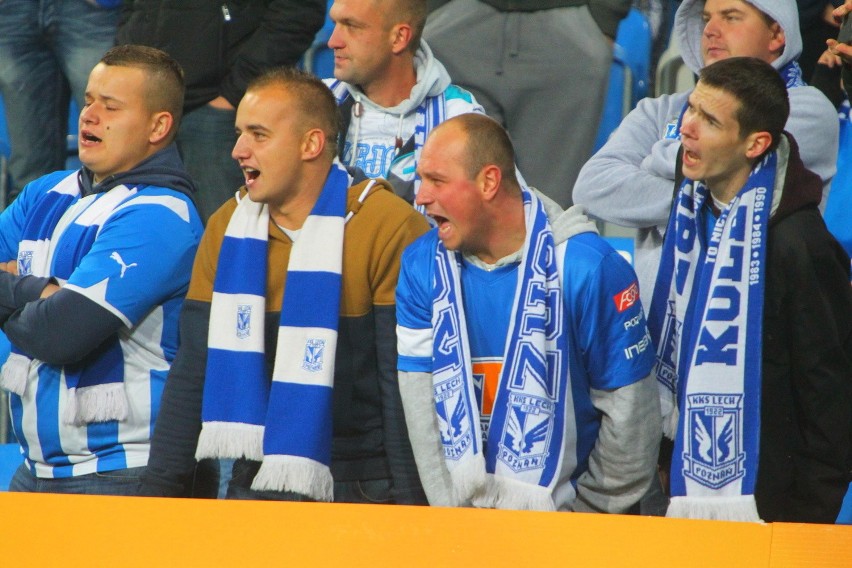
287,360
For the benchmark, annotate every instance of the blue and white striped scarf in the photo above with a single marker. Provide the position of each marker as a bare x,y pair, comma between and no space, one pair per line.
520,464
706,319
287,426
58,234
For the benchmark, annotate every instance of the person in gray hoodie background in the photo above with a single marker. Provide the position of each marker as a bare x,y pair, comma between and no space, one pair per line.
540,68
390,88
630,181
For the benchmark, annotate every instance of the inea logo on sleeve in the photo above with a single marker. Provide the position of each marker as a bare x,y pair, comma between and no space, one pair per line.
626,298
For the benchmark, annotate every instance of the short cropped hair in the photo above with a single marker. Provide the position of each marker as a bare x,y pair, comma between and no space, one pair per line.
412,12
487,143
764,104
316,106
164,89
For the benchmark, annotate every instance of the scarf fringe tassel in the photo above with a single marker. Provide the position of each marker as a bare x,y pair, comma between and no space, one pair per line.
230,440
14,375
293,473
742,509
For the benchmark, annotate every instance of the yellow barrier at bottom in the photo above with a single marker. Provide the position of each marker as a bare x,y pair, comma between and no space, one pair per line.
74,530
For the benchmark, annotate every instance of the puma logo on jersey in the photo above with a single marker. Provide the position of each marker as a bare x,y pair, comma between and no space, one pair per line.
117,257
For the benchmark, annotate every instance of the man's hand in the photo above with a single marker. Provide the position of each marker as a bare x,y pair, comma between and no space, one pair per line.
50,290
11,267
841,11
841,50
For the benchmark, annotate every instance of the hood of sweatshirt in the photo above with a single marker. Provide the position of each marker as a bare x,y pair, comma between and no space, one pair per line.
796,187
432,80
163,169
689,27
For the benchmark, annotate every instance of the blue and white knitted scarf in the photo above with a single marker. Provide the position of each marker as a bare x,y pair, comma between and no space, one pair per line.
287,426
58,234
706,320
521,461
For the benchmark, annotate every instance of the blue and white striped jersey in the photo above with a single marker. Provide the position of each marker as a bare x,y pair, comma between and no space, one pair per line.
133,259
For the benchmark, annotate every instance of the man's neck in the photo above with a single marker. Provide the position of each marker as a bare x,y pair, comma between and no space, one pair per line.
292,213
725,190
395,85
506,231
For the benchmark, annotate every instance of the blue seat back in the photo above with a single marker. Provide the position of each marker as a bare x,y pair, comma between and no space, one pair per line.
635,37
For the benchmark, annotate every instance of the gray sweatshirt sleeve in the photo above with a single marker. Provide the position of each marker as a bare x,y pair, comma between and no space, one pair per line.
629,180
624,458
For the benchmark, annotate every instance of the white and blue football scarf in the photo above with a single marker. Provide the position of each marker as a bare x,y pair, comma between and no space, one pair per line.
521,462
287,426
430,113
95,388
706,320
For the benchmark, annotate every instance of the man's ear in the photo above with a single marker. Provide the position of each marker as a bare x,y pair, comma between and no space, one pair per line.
488,181
161,127
313,144
757,143
401,35
778,40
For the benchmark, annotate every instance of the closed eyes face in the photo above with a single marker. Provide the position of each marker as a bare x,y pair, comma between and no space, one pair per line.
116,124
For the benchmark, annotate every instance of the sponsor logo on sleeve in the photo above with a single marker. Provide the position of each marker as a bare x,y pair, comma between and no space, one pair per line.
626,298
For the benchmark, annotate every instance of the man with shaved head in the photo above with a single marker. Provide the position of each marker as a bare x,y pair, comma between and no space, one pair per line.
523,353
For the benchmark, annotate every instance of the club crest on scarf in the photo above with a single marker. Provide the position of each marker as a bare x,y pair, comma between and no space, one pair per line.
243,321
713,457
314,355
25,262
533,386
451,402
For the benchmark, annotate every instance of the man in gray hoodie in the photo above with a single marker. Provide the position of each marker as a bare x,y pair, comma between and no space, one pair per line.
630,181
390,88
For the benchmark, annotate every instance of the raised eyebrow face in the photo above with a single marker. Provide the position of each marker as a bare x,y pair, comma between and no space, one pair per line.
699,110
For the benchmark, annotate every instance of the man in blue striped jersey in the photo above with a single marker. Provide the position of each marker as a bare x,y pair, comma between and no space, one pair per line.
101,259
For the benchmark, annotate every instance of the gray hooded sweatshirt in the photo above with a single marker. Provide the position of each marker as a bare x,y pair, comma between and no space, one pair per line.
630,180
371,139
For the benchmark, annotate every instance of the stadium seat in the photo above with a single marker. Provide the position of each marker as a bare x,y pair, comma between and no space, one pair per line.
619,97
635,37
319,59
72,161
10,460
838,209
673,76
5,151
